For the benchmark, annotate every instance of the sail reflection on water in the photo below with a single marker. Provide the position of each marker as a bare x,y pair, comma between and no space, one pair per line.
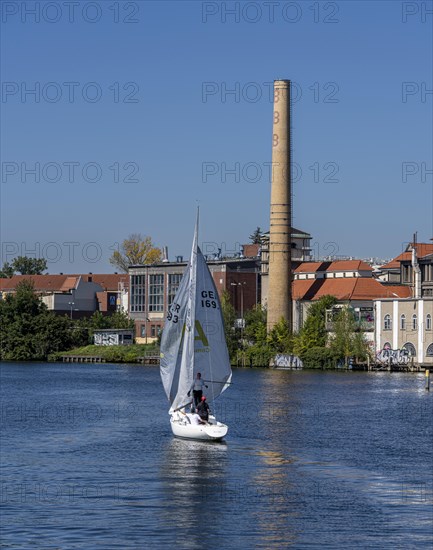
193,475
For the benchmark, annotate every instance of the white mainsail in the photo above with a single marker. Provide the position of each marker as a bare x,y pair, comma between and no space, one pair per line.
193,338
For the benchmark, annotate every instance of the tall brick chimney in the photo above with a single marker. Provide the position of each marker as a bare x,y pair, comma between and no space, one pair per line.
280,269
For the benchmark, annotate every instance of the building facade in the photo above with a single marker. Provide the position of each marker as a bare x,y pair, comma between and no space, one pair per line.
153,288
76,295
350,281
405,325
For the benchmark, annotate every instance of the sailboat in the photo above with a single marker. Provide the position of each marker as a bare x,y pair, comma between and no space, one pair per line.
193,341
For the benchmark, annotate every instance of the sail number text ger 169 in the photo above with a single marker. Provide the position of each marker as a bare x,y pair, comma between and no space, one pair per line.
210,302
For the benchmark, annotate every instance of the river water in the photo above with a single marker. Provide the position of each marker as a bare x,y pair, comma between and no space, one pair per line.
312,460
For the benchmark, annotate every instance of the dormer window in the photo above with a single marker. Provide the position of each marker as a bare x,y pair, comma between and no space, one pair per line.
406,273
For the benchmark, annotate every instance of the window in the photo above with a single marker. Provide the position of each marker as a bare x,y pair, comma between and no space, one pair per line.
430,351
410,349
387,322
406,273
428,272
155,331
428,322
173,284
156,292
138,288
403,322
414,322
143,331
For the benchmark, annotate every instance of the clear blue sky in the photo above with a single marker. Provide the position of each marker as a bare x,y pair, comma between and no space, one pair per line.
363,71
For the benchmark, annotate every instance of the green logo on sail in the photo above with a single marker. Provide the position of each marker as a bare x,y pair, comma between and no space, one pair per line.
199,335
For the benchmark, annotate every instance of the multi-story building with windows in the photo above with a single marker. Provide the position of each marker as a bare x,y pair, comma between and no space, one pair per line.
413,266
350,281
406,324
153,288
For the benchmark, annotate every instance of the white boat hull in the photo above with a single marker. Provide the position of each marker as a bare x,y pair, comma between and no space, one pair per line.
212,431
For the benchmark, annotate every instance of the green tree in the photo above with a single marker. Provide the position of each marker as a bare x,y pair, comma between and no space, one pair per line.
28,331
255,322
229,317
83,329
256,236
319,358
258,351
361,348
280,339
347,340
313,333
135,250
99,321
24,266
119,319
29,266
7,271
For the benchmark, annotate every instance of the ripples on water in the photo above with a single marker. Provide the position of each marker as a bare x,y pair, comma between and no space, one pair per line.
337,460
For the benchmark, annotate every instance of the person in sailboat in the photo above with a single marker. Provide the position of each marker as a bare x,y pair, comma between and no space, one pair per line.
203,409
195,419
197,390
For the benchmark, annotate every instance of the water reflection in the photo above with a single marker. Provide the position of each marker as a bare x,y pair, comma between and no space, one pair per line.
312,460
193,475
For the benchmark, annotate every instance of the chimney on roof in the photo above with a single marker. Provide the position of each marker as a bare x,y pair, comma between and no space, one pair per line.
417,275
165,254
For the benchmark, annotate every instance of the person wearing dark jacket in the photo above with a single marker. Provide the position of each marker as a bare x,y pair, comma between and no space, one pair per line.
203,409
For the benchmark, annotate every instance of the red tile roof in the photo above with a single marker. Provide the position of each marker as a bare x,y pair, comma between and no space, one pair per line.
422,250
310,267
56,283
337,265
393,264
353,288
65,283
108,281
349,265
300,288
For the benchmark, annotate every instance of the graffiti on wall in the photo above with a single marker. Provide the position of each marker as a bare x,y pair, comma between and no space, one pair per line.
389,356
106,339
287,361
